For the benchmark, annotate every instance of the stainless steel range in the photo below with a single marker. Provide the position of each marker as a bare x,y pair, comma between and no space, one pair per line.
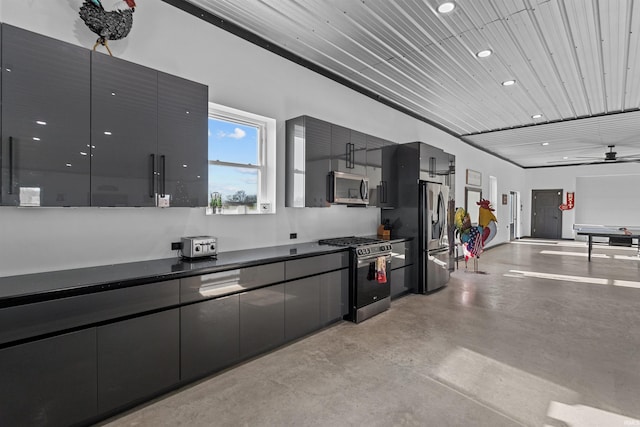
369,282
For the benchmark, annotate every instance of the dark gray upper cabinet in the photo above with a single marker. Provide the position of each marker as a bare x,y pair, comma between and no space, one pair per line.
82,128
182,141
348,150
45,121
378,189
315,148
308,162
124,132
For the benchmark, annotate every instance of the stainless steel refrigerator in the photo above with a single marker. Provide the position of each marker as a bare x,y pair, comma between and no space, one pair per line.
433,239
424,212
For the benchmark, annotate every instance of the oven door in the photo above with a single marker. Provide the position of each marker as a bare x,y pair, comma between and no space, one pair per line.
368,289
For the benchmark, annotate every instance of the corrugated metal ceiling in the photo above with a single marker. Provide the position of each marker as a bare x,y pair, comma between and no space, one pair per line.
575,62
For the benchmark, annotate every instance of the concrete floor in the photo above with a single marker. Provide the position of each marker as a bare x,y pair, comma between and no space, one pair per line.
528,343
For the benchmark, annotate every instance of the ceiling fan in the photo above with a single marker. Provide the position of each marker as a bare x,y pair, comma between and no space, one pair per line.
609,157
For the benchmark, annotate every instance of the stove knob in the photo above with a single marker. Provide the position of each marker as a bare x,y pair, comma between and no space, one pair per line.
212,247
197,248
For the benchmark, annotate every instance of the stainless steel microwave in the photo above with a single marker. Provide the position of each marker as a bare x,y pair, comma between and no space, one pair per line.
346,188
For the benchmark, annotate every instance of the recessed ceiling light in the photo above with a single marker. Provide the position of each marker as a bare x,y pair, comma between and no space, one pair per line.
106,132
565,158
508,83
68,165
35,138
545,143
41,123
446,7
536,116
484,53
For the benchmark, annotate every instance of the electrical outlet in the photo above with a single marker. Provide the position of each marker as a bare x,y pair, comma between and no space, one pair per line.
176,246
293,235
265,207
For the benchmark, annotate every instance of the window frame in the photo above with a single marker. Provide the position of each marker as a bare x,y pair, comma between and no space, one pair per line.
266,166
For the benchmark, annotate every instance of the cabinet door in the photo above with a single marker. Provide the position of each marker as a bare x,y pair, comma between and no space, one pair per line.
137,358
400,281
348,150
359,155
261,320
182,141
45,121
124,132
49,382
317,143
341,151
209,337
389,186
374,170
302,307
334,296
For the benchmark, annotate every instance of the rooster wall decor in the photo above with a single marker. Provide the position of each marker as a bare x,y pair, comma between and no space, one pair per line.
109,25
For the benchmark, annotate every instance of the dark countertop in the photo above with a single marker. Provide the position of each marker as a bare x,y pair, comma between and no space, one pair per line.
392,239
29,288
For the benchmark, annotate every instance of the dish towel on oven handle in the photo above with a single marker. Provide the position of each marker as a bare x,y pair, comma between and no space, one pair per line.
381,269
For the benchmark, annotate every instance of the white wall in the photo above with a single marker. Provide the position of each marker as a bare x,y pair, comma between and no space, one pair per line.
239,75
608,200
565,178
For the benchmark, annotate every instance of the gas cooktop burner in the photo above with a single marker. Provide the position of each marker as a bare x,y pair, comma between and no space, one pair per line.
350,241
362,247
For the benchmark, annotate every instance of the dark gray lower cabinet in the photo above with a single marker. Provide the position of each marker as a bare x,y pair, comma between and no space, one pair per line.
401,281
261,320
137,358
209,333
302,307
334,296
314,302
51,382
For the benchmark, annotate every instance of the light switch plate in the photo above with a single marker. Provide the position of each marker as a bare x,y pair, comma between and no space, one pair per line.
208,210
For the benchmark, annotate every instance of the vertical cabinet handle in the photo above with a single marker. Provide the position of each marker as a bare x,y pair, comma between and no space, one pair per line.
353,156
10,165
348,155
164,175
152,182
383,191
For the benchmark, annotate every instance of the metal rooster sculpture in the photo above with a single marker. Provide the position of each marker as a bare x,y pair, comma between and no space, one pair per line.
109,25
474,238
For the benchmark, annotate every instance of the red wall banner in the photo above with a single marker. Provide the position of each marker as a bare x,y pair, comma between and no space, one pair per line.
570,202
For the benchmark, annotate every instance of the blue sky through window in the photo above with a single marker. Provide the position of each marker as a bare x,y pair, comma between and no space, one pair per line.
234,143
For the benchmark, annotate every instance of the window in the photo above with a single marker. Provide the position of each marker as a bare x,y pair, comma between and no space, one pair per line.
241,161
493,191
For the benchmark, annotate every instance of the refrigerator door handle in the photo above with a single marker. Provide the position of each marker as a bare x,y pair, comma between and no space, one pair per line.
438,251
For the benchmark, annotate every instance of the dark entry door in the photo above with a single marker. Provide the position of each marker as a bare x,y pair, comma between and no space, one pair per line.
546,216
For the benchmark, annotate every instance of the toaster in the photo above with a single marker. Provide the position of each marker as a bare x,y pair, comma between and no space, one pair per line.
199,246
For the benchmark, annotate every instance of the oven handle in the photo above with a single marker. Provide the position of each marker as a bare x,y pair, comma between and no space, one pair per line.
367,260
